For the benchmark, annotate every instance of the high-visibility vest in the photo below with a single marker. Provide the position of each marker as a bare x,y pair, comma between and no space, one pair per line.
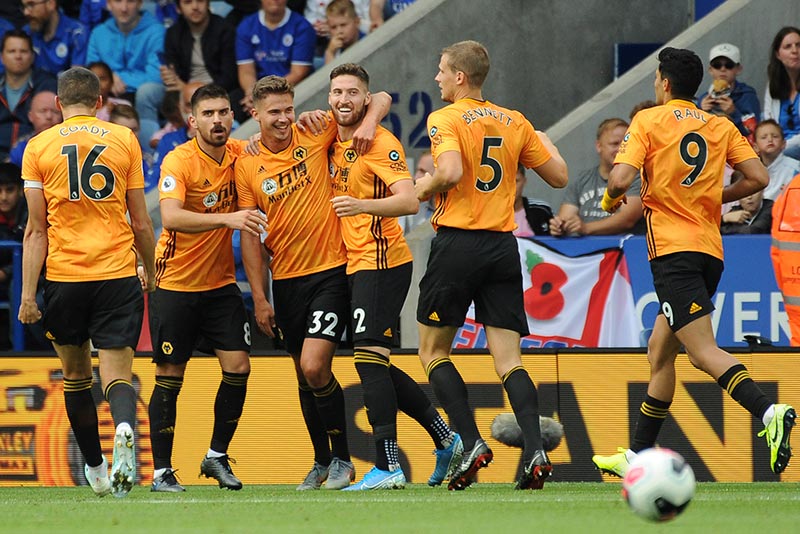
785,252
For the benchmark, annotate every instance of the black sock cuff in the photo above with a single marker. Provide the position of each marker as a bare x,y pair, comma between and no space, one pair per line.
653,407
328,389
115,383
74,385
437,364
516,369
235,379
172,383
369,357
734,376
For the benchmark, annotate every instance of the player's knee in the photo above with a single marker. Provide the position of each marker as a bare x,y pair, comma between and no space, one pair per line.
317,373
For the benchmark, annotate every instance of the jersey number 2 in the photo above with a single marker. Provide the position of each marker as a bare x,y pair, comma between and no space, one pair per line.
80,174
698,161
488,161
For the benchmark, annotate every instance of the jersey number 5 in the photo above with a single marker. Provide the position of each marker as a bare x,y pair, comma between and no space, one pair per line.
488,161
81,174
696,161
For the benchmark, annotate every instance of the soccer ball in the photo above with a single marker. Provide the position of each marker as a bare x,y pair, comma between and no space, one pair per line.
658,484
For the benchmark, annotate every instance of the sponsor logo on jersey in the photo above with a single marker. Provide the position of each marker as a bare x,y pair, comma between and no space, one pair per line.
269,186
210,200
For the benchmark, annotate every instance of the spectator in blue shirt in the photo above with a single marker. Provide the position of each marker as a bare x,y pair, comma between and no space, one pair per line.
130,43
59,41
274,40
18,85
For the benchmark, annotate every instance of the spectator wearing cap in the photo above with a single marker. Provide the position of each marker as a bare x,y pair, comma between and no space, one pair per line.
58,40
727,96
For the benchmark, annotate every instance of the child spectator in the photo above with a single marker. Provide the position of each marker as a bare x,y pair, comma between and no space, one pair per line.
781,168
106,77
343,26
171,110
753,214
728,96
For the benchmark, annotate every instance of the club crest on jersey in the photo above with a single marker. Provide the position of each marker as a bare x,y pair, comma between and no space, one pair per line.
62,50
300,153
350,155
394,155
269,186
168,184
288,39
210,200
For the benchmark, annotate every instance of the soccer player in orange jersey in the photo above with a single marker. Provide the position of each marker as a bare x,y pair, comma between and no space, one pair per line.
82,177
477,146
196,295
371,190
681,151
290,182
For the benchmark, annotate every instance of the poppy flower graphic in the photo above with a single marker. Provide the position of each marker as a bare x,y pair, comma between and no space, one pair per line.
544,299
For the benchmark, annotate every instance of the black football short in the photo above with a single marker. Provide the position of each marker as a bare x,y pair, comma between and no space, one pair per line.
473,265
376,300
183,321
311,306
109,312
685,283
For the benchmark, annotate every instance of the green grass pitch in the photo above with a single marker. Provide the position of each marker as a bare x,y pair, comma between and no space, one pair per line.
487,508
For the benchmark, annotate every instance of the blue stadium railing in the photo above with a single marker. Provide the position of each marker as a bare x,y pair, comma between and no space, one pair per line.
14,295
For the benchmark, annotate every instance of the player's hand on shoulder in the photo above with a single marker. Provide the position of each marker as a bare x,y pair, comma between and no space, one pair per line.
253,146
315,121
346,206
363,137
29,311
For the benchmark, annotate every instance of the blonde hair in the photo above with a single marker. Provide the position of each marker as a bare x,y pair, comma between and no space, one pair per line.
471,58
272,85
341,8
610,124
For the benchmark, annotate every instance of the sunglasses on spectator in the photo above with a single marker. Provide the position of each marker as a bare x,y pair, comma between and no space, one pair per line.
727,63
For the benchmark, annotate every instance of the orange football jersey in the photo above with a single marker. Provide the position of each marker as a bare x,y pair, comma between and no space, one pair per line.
372,242
203,260
681,151
85,168
492,140
292,187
